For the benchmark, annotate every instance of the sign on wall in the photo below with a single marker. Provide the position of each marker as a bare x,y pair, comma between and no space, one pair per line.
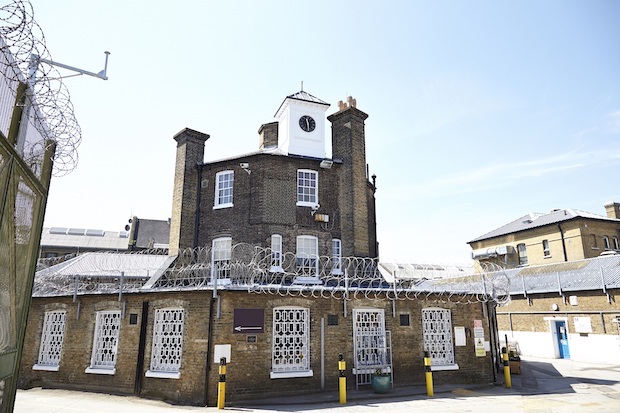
248,321
583,325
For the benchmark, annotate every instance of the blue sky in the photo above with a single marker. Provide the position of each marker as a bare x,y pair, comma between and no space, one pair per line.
479,111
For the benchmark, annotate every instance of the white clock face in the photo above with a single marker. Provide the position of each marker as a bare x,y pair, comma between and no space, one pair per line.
306,123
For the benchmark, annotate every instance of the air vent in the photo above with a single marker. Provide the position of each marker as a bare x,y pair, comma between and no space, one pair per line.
76,231
58,230
95,232
123,234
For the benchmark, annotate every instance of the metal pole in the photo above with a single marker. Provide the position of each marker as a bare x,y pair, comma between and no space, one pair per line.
221,386
428,374
342,379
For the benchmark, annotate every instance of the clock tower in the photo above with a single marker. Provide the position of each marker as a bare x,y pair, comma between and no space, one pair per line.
301,125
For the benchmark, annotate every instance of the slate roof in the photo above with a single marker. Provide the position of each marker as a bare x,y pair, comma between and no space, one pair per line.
302,96
537,219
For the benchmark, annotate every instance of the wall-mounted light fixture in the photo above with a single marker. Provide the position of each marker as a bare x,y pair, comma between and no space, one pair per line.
326,163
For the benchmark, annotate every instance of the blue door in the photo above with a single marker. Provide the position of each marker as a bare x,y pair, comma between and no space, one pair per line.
560,328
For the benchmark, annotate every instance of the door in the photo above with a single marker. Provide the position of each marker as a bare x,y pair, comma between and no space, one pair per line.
562,334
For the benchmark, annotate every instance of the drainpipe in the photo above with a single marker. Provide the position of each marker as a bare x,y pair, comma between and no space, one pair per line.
209,348
198,193
563,243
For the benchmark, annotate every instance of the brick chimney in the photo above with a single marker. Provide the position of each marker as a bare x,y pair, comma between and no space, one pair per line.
613,210
190,154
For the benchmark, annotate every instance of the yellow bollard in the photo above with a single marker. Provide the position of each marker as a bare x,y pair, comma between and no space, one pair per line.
507,377
429,374
221,386
342,380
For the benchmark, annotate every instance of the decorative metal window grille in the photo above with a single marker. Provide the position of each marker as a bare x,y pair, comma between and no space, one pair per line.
522,254
224,188
220,258
276,252
167,340
51,338
307,187
105,343
291,339
546,251
307,255
371,344
336,256
437,332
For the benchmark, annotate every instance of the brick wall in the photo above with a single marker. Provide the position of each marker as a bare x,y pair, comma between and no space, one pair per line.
249,370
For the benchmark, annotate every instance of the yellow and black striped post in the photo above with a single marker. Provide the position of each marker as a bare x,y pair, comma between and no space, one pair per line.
342,379
507,377
221,386
429,374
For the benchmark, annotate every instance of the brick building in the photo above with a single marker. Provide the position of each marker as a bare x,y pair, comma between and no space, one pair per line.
563,272
273,264
542,238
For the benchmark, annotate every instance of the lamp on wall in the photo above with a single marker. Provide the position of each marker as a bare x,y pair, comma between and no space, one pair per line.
326,163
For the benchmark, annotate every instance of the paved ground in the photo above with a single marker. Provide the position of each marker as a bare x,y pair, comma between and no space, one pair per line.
545,385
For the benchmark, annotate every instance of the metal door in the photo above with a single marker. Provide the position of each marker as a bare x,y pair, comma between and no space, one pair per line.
560,328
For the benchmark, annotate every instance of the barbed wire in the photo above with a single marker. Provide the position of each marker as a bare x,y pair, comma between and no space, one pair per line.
262,271
52,113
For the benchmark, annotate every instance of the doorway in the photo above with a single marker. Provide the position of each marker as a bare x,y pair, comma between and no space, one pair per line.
562,337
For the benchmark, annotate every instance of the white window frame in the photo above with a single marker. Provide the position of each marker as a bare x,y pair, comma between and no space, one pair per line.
307,188
276,253
224,189
616,244
606,243
437,337
105,343
522,253
336,256
546,250
221,254
290,355
52,337
307,256
167,342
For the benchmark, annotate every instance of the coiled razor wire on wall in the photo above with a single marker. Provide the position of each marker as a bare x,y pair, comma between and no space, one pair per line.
251,268
23,46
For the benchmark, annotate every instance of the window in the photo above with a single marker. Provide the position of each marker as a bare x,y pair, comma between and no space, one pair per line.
276,253
51,341
594,246
437,333
546,251
167,343
606,243
307,255
336,256
224,189
220,258
105,342
616,245
371,343
291,342
522,254
307,188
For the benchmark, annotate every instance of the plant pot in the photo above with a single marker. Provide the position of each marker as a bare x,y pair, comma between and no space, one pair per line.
380,383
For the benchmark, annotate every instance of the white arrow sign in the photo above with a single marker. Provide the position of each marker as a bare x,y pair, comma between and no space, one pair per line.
239,328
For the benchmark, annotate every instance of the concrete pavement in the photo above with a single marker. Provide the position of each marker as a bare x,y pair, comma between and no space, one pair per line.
545,385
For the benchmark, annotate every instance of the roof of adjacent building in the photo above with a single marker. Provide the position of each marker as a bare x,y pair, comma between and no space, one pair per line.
537,219
81,238
152,233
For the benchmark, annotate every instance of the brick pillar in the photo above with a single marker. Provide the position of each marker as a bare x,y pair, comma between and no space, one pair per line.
349,145
190,153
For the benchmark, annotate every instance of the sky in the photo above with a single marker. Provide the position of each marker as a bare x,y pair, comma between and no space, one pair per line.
479,111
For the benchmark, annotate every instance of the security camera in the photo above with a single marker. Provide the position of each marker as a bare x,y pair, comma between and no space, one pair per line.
244,165
315,207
